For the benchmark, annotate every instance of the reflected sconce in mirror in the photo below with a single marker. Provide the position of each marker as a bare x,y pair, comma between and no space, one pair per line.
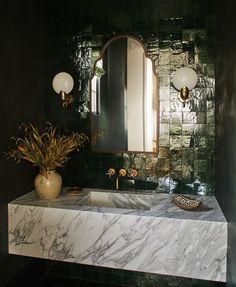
63,84
184,80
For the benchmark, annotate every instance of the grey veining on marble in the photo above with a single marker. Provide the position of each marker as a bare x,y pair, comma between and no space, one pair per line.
156,238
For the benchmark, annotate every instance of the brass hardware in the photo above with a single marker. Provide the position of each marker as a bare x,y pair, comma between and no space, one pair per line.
76,190
66,99
111,172
133,173
122,172
184,95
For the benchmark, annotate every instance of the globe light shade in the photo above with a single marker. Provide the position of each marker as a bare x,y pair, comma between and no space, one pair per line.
62,82
185,77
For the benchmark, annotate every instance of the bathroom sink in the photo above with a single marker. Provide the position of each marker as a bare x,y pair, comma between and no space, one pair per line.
117,200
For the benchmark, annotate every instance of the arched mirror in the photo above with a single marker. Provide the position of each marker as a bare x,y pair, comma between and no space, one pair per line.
124,98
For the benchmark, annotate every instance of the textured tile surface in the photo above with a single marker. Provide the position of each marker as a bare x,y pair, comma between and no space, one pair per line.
175,33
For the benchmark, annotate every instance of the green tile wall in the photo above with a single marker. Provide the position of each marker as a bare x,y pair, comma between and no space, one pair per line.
175,33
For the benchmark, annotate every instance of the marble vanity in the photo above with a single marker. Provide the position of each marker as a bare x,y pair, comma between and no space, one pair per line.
145,233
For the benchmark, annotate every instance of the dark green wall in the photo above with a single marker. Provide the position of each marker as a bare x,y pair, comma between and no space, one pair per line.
21,76
226,125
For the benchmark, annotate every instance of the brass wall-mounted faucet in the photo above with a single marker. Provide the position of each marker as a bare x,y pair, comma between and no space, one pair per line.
122,172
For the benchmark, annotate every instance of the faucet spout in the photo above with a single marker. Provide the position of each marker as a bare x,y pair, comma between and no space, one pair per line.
117,182
122,172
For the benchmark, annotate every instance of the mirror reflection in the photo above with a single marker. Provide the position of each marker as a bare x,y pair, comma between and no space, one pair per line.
124,98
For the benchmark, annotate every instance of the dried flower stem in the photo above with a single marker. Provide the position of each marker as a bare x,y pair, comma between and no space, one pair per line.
48,149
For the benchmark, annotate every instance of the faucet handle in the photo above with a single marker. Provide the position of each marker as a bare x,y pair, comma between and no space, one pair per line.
111,172
122,172
133,172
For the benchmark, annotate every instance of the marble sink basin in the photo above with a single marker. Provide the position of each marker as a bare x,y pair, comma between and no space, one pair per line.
117,200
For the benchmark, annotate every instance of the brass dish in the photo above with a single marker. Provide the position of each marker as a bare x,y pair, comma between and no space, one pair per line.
186,202
76,190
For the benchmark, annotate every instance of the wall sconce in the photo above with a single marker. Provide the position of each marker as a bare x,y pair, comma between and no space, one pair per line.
63,84
184,80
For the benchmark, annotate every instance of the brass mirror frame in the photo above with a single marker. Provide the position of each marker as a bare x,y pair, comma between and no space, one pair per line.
158,100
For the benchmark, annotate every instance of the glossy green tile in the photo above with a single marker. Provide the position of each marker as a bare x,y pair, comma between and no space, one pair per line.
188,154
210,129
164,129
164,81
176,118
165,117
210,92
165,106
163,165
164,94
179,60
164,140
176,105
200,105
164,152
164,57
210,143
176,165
187,129
200,165
186,141
176,153
200,141
175,142
200,153
200,130
151,164
175,129
200,118
189,117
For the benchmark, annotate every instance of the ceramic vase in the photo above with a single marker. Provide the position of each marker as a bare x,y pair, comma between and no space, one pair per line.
48,184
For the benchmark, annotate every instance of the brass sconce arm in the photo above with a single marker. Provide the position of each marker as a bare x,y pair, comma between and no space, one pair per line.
66,99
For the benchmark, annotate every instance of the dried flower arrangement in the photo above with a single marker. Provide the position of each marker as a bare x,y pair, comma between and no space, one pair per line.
47,149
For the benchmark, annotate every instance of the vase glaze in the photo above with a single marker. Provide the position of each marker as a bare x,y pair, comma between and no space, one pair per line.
48,184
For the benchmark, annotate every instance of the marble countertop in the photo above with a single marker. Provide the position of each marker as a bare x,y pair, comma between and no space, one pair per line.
161,205
157,237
